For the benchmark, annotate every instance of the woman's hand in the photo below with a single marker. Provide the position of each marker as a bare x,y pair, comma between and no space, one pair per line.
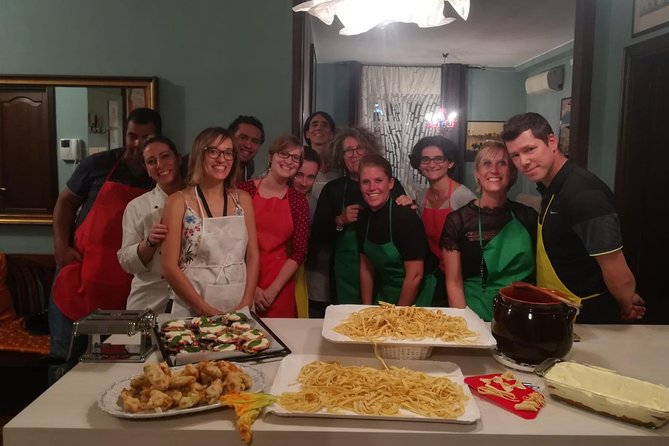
158,234
350,214
405,200
204,309
262,302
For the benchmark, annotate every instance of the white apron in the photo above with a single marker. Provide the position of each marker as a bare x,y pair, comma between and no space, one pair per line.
218,271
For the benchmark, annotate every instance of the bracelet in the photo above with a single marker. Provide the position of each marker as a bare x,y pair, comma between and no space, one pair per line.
339,226
149,244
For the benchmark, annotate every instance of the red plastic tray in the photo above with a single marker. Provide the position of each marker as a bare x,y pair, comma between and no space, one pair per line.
475,381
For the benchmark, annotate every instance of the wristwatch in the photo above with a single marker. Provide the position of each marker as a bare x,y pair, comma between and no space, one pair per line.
149,244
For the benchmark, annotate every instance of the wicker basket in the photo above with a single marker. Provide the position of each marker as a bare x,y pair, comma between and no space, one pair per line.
404,352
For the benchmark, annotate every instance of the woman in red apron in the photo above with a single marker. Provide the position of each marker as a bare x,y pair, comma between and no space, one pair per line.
434,157
282,222
210,255
489,243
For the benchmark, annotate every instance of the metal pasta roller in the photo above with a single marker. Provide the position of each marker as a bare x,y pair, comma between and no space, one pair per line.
101,324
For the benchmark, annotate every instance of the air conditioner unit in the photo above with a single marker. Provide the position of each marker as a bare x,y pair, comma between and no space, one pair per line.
551,80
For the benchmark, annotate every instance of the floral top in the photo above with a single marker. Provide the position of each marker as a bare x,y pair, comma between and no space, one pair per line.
192,232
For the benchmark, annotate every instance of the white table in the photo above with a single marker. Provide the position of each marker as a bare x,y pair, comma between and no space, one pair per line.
67,413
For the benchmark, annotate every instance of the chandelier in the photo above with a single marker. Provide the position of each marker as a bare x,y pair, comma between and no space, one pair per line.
359,16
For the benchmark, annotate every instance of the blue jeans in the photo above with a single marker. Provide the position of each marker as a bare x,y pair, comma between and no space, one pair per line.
61,359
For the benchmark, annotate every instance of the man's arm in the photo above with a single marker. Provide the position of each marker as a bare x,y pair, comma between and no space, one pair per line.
64,214
621,284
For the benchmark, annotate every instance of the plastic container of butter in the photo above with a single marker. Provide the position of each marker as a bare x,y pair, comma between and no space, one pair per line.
606,392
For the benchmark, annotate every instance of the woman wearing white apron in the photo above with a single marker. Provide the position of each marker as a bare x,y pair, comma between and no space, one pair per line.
211,260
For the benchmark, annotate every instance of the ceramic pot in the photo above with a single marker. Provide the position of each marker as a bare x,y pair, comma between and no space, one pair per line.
530,326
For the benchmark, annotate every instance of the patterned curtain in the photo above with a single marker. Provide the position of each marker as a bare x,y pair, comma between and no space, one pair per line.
394,103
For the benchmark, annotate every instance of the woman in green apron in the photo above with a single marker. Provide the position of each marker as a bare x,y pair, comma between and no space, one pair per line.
396,264
335,220
490,242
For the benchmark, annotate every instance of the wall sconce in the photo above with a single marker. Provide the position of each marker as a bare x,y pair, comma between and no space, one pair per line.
96,123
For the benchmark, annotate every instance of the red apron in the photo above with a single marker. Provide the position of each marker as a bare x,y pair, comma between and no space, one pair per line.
98,280
433,221
274,226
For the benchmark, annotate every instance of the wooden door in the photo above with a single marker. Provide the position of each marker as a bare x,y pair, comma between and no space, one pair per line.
28,172
642,172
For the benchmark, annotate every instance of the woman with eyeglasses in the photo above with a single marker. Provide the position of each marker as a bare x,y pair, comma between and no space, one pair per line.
488,243
337,212
396,264
210,254
282,222
434,157
143,229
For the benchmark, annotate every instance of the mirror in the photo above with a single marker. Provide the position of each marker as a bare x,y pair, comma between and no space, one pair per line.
48,124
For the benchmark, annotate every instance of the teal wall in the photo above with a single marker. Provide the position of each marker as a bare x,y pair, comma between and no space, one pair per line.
613,32
493,95
215,59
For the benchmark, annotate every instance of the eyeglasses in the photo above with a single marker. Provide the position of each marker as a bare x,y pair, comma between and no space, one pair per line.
286,155
214,153
352,151
425,160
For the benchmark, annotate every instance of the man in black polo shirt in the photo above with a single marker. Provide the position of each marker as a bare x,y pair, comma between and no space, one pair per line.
579,244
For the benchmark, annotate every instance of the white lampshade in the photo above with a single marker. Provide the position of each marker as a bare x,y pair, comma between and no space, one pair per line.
359,16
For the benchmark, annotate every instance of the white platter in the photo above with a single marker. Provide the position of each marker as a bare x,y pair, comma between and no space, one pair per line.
108,400
336,314
286,381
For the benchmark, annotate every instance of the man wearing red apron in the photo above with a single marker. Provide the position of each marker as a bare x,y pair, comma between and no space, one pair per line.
89,275
579,244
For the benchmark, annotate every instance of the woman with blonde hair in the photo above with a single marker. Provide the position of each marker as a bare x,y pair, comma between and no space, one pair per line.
282,222
488,243
210,255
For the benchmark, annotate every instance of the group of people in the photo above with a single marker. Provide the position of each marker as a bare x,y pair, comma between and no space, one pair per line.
325,223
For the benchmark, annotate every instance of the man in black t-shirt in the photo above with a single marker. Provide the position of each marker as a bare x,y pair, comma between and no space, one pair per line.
579,244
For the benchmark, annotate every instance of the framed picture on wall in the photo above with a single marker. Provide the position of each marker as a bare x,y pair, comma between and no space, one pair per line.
649,15
565,120
479,132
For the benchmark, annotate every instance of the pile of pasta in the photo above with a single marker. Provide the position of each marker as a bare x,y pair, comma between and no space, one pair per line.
388,321
368,391
502,386
159,388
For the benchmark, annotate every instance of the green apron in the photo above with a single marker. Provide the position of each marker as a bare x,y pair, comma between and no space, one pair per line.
508,257
389,271
347,263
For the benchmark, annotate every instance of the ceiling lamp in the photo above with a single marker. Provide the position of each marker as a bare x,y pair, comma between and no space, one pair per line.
359,16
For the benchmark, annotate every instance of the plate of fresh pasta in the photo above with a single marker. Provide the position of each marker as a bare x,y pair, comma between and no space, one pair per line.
369,388
410,326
